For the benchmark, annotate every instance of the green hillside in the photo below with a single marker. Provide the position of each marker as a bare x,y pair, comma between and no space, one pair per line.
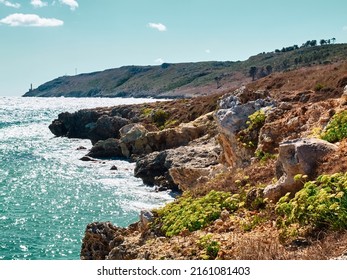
187,79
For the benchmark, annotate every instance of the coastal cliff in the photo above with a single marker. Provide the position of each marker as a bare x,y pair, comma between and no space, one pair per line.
242,160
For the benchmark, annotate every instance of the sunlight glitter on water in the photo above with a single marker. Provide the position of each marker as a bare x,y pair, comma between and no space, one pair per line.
47,195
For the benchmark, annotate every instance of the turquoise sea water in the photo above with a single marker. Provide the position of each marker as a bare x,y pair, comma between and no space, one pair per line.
47,195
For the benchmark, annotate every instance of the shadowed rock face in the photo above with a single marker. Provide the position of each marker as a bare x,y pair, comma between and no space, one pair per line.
106,149
180,168
299,156
75,125
90,124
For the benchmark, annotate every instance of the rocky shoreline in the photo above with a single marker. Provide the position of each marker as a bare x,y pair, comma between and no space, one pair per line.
233,135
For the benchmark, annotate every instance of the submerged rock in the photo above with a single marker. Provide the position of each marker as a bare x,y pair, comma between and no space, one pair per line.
113,167
87,158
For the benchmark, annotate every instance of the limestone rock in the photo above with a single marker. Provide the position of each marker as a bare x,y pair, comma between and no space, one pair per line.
146,217
137,140
106,149
107,127
301,121
58,128
299,156
133,139
95,124
96,244
151,166
344,96
75,125
235,108
182,167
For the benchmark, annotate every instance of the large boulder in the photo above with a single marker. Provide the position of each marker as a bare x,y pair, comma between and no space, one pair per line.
294,121
232,117
106,149
299,156
133,140
75,125
94,124
107,127
183,167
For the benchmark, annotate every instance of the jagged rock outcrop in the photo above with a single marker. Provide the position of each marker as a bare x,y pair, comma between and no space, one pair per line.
182,167
106,149
75,125
93,124
99,239
293,121
136,140
132,140
299,156
106,127
231,118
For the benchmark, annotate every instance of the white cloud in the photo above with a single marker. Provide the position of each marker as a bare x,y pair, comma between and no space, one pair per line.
38,3
30,20
159,61
208,51
10,4
71,3
158,26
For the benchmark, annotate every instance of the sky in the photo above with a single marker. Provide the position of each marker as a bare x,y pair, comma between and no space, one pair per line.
43,39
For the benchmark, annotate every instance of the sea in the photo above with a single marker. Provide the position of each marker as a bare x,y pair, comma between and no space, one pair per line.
47,195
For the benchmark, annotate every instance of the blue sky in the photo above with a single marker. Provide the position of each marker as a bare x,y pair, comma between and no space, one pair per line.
44,39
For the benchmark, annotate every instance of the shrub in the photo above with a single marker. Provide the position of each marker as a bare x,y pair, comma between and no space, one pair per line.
320,204
336,129
194,213
256,120
159,117
147,112
249,135
263,156
210,246
318,87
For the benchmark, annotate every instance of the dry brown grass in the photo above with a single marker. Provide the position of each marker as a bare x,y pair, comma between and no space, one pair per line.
332,77
261,243
259,173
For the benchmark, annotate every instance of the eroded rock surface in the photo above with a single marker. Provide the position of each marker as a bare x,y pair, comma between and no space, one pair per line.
99,239
299,156
235,108
181,167
106,149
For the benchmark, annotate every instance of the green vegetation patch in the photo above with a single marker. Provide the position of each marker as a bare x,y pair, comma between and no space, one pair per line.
188,213
336,130
210,246
147,112
321,204
249,135
160,117
264,156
